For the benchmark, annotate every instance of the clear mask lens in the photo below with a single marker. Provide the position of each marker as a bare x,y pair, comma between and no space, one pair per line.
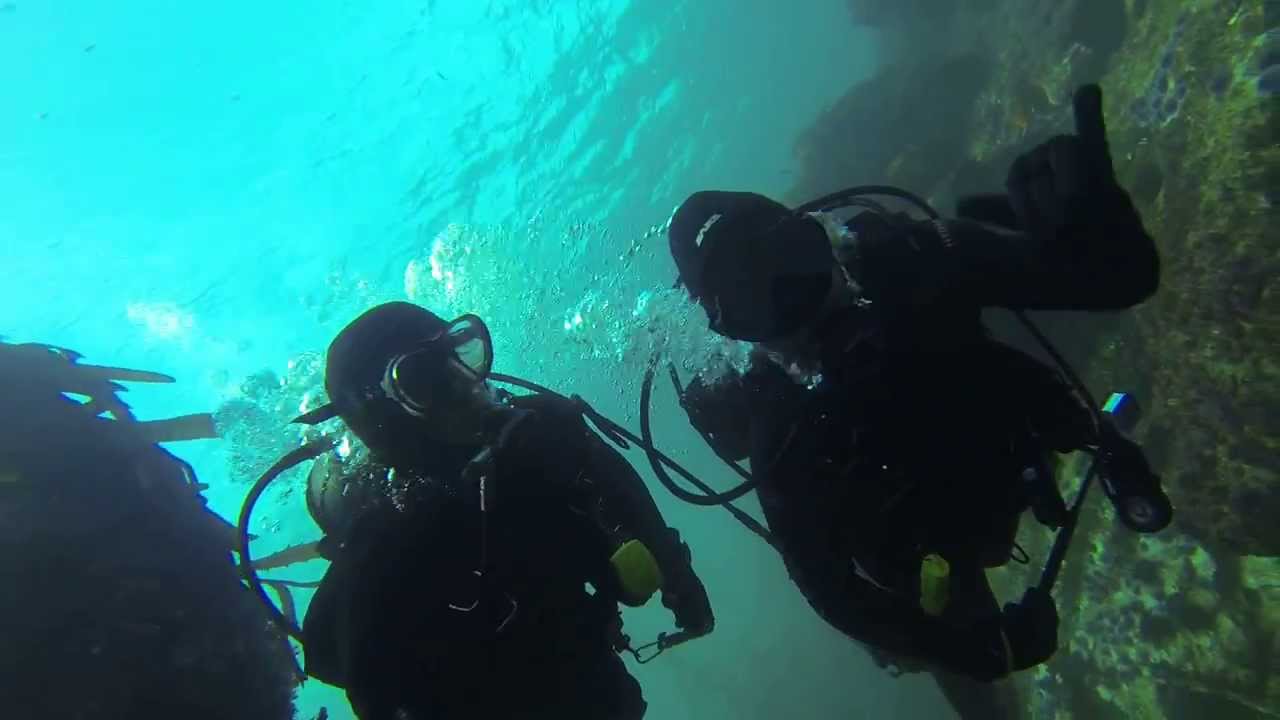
472,345
419,379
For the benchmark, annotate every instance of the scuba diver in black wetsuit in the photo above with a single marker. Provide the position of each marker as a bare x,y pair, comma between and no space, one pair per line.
892,441
119,597
463,539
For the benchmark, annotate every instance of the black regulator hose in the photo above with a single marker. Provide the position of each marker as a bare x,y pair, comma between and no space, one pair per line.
657,458
1053,566
708,497
1067,371
706,437
299,455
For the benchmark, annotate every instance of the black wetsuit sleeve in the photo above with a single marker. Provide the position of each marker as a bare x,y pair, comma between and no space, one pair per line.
992,266
611,485
627,502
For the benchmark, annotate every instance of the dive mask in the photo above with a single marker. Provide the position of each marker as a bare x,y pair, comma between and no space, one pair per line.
455,360
445,365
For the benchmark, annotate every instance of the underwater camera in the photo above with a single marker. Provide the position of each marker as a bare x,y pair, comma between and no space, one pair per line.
1128,481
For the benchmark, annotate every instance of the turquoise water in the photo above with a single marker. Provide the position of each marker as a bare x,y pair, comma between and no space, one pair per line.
210,190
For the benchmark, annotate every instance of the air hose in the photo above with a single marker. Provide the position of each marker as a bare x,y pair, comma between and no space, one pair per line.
621,437
248,573
707,497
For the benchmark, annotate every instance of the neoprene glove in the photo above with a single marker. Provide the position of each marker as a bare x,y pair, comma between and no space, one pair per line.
1064,193
1065,190
1030,629
686,597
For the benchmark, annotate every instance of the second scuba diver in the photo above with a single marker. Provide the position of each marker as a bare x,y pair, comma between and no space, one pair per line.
462,540
888,434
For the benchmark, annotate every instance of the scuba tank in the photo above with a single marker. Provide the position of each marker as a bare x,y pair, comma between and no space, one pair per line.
339,488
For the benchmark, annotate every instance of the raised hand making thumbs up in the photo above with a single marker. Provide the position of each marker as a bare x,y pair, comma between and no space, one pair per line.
1064,191
1064,195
